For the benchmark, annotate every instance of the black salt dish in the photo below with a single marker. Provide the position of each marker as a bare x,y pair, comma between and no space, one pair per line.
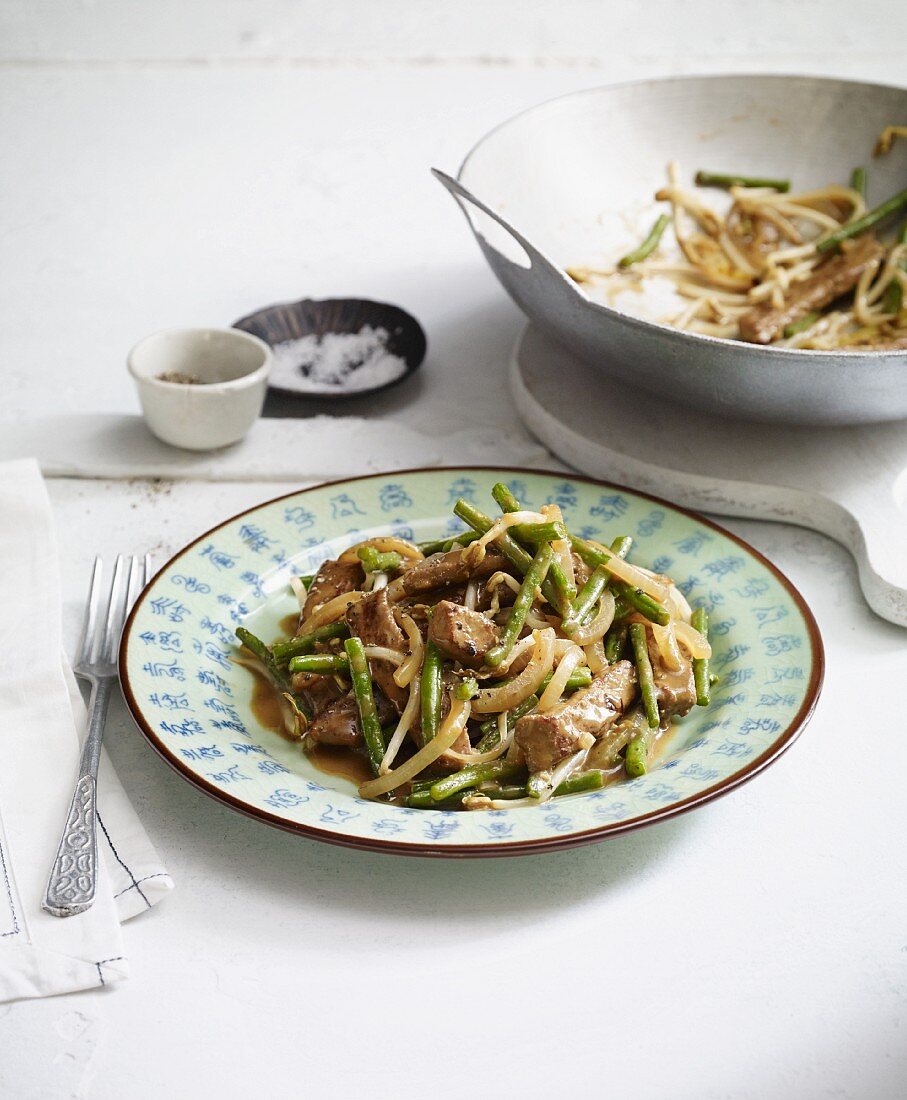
338,347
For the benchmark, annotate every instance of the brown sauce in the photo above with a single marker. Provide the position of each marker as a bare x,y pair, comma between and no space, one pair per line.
353,766
330,759
289,624
265,704
341,761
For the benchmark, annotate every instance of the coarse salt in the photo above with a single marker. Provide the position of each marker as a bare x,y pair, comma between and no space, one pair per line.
336,362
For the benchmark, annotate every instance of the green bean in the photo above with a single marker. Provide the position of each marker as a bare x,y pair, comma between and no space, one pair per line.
431,692
701,670
305,643
893,298
489,728
372,733
615,643
522,605
622,545
649,245
851,229
858,181
373,561
323,663
647,607
559,590
445,545
637,599
467,688
586,600
646,676
504,498
422,800
720,179
519,558
307,578
801,325
636,760
537,785
470,776
256,646
508,791
580,677
534,533
581,781
422,784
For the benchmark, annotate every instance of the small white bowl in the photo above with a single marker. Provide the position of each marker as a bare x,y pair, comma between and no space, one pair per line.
231,368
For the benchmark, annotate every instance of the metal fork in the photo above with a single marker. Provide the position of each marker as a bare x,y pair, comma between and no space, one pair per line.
73,879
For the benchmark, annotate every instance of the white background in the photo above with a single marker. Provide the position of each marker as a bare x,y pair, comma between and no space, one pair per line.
178,163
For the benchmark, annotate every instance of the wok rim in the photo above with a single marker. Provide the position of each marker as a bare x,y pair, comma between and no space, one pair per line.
818,357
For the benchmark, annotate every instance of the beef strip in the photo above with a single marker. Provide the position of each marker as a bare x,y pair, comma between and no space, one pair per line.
318,691
763,323
674,690
332,579
546,739
444,570
463,635
338,723
372,620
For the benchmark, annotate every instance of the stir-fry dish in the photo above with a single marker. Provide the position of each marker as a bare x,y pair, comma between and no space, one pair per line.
503,666
802,270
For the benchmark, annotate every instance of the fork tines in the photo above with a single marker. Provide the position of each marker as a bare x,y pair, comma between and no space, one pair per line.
106,612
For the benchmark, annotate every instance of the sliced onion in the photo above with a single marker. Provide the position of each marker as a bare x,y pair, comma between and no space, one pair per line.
299,591
666,640
561,547
476,550
677,604
382,653
595,656
600,625
632,574
329,612
560,773
537,621
555,689
412,665
384,544
451,728
692,641
493,583
519,650
471,596
479,757
379,581
494,699
407,718
298,717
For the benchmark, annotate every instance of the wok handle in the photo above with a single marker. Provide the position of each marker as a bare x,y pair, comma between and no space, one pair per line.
463,195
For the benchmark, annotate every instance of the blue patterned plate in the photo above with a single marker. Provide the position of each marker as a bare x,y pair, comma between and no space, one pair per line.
195,705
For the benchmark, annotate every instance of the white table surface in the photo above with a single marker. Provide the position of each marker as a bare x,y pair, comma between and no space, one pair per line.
160,174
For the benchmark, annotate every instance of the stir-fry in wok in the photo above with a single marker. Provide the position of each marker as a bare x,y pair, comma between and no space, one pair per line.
802,270
502,666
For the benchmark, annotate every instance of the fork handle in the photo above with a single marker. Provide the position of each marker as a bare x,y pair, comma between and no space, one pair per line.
73,879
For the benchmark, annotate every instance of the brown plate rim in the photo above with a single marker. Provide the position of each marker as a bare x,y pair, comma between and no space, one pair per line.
500,848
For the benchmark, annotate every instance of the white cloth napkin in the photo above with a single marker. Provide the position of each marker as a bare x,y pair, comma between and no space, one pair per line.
42,721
